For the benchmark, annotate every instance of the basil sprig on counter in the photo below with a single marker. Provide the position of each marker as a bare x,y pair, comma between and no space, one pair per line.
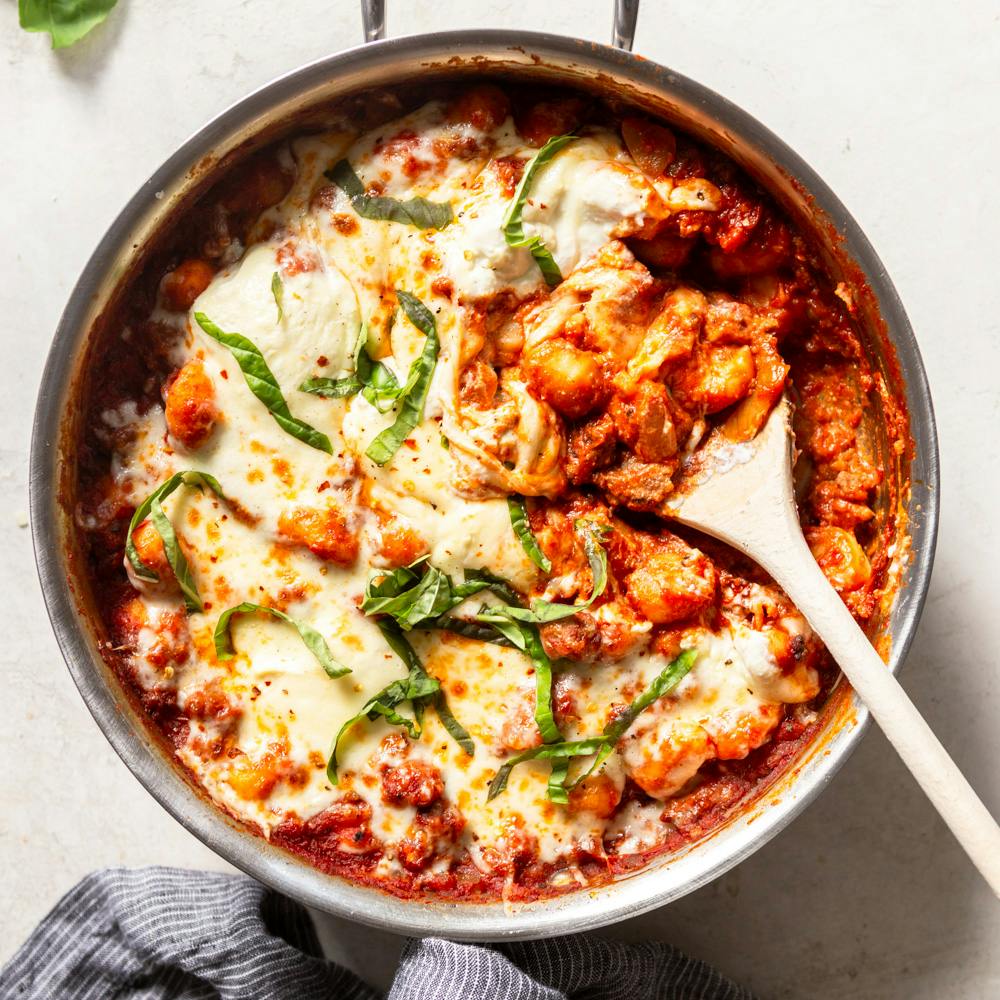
519,522
417,212
418,382
66,23
513,224
418,688
278,292
561,753
152,508
263,384
314,642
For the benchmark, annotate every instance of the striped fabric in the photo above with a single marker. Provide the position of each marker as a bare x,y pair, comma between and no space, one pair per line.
162,933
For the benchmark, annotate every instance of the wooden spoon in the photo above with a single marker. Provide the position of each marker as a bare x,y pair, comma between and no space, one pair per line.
742,494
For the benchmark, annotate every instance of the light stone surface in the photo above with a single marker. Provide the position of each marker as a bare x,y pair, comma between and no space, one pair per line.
864,896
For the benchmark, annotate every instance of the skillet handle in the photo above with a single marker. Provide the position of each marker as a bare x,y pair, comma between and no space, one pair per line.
622,31
373,19
623,27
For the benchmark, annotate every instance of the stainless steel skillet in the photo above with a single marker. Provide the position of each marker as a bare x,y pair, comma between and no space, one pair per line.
278,108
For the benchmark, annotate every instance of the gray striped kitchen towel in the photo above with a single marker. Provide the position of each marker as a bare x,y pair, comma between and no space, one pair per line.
163,933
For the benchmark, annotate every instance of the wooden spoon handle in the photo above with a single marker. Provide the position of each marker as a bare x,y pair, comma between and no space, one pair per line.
921,751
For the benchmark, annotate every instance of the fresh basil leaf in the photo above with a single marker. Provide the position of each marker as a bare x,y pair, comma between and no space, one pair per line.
519,522
416,600
556,789
263,384
314,642
478,580
562,751
481,632
383,704
525,637
278,291
455,729
332,388
418,383
429,597
514,632
542,612
603,745
422,689
67,21
151,508
513,224
543,686
666,680
417,212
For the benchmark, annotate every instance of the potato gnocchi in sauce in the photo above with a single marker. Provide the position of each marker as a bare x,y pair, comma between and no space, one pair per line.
375,493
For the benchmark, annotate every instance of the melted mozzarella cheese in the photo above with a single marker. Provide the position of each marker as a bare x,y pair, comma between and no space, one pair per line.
337,271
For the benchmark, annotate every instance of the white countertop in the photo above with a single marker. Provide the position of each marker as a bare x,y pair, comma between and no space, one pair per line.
866,895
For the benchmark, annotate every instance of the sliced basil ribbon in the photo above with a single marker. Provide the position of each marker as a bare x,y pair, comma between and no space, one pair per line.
278,291
151,508
314,642
417,212
416,596
542,612
552,751
513,225
418,687
374,380
263,384
418,382
519,522
602,745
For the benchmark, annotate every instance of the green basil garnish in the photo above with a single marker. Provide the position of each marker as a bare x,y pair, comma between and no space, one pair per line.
519,522
414,394
278,291
314,642
416,596
513,225
552,751
542,612
151,508
418,687
602,745
374,380
263,384
417,212
65,22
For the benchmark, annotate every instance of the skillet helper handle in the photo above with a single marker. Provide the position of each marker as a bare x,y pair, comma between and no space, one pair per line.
622,32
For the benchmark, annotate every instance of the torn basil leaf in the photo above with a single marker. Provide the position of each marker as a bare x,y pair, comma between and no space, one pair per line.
263,384
418,212
513,225
66,22
314,642
414,394
519,522
151,508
